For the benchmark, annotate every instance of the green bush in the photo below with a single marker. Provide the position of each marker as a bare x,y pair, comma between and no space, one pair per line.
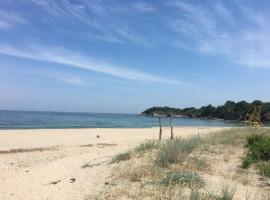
258,149
183,178
177,150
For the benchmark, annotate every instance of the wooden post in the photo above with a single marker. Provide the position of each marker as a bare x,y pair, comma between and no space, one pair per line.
160,128
171,124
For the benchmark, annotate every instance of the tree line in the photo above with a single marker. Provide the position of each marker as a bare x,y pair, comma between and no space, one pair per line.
229,111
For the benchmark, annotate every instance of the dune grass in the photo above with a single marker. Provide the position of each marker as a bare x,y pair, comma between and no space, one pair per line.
147,146
177,150
183,178
173,169
121,157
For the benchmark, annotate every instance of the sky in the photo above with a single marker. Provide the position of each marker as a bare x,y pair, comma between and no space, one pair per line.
121,56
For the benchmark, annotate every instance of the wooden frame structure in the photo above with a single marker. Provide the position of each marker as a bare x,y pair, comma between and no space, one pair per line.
253,116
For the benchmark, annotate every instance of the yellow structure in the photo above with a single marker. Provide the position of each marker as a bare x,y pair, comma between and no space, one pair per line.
253,117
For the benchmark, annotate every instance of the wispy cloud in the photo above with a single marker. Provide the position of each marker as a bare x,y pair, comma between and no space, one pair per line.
65,57
9,19
237,30
143,7
106,20
214,29
74,80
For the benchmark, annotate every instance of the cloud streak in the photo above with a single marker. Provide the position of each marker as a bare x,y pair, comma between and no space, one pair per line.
65,57
143,7
213,29
9,19
237,31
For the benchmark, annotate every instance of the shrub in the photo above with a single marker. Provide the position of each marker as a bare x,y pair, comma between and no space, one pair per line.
121,157
183,178
258,149
176,151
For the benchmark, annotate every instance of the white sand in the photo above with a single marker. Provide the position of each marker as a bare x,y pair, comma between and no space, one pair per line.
30,175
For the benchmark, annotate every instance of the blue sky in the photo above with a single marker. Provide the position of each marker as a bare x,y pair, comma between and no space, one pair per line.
125,56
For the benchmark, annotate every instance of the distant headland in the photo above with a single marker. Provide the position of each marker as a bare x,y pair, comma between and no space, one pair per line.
233,111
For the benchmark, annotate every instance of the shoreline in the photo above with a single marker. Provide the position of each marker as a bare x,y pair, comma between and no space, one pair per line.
78,128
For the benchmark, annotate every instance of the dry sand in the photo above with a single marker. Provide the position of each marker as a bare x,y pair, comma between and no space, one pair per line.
66,163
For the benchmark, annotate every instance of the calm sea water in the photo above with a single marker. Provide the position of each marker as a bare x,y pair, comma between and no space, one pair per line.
31,120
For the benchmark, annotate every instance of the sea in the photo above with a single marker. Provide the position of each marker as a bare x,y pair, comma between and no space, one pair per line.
51,120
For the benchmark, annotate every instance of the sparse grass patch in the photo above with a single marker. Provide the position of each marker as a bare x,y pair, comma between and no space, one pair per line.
183,178
227,193
264,169
232,136
200,163
177,150
242,176
135,171
121,157
147,146
172,169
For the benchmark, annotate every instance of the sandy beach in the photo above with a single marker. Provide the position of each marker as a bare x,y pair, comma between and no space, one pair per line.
50,163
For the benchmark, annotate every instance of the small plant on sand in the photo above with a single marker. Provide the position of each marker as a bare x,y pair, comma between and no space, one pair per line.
176,151
200,163
121,157
183,178
227,193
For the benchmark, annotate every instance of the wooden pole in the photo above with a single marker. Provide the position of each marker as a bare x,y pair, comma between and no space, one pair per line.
160,128
171,124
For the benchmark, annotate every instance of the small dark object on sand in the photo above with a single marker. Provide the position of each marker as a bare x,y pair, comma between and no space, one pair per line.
98,136
72,180
55,182
112,184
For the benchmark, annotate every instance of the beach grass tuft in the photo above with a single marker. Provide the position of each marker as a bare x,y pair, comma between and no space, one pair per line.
121,157
177,150
183,178
147,146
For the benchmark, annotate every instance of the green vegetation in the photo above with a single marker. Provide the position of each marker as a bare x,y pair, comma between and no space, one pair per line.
264,169
227,193
199,163
229,111
176,151
121,157
183,178
147,146
183,168
233,136
258,153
